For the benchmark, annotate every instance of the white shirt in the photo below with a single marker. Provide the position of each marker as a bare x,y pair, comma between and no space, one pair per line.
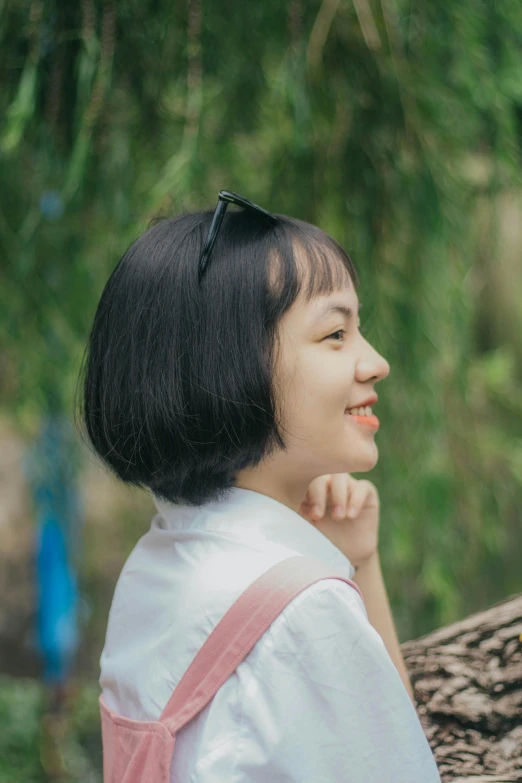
318,698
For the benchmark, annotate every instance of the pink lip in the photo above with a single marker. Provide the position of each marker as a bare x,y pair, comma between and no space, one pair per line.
369,421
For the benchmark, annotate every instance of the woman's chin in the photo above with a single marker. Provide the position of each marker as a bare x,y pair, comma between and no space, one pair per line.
366,459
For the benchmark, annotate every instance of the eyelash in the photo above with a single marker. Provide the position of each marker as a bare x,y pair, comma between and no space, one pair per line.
362,329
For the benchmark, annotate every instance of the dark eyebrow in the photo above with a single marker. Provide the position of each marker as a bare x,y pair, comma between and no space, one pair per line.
336,308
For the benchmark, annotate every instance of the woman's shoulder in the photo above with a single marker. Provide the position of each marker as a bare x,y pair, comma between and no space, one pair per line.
328,696
329,608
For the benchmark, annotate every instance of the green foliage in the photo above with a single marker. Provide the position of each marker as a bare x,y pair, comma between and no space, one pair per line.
19,743
32,745
387,123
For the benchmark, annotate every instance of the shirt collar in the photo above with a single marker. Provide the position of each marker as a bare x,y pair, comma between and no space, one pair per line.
245,513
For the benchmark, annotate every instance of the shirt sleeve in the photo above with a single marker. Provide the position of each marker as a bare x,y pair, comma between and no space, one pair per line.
325,703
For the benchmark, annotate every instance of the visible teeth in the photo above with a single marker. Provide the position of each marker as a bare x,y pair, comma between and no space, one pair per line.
367,411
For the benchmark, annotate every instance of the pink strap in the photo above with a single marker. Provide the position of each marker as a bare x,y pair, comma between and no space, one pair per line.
238,631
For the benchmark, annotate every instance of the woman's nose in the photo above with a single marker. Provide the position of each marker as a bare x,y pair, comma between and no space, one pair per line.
375,364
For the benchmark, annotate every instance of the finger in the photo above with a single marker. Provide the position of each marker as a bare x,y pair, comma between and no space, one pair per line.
339,494
306,504
356,498
317,495
306,509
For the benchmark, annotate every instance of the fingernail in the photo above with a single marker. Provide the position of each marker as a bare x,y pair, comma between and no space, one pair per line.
351,512
316,511
338,511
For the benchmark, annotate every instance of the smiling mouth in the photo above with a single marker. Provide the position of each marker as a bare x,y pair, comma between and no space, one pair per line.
361,411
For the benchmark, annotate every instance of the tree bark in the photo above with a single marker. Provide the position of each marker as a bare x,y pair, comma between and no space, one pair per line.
467,680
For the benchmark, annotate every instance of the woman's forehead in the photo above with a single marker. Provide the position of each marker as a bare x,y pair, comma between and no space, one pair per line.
343,301
322,309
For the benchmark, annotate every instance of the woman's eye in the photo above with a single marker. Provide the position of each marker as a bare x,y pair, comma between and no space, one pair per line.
339,331
343,331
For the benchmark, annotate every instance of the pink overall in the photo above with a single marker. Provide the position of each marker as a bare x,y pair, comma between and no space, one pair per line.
141,751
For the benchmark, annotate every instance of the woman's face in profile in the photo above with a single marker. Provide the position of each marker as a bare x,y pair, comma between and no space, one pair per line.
326,366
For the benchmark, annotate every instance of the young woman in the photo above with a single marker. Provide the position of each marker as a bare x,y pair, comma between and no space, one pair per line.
228,375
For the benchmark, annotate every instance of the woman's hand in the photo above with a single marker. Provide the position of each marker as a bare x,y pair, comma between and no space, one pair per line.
356,536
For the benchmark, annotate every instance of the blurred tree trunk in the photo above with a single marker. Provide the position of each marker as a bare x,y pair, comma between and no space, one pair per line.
467,680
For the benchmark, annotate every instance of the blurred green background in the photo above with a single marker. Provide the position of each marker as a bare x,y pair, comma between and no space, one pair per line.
394,125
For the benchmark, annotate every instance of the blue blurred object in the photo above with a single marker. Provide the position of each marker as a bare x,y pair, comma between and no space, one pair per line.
57,620
50,469
51,205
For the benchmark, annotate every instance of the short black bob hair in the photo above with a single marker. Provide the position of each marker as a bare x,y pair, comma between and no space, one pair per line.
176,388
